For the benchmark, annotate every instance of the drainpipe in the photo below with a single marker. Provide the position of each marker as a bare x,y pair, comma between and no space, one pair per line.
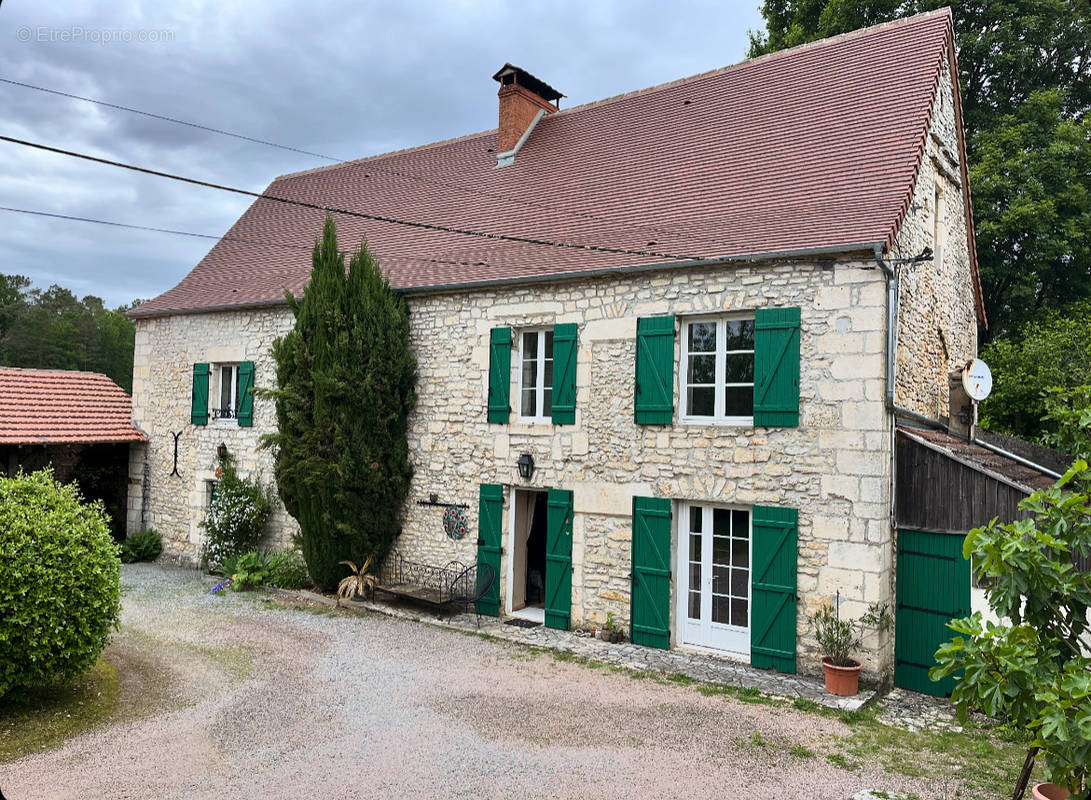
889,268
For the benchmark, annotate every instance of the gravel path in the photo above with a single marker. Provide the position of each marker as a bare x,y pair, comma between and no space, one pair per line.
277,702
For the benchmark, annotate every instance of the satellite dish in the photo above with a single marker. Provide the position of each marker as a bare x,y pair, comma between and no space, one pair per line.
977,379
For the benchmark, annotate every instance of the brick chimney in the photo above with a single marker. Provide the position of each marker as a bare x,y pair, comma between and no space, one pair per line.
523,101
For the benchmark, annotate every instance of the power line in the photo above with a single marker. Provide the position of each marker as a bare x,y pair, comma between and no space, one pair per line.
225,238
358,214
175,120
113,224
371,165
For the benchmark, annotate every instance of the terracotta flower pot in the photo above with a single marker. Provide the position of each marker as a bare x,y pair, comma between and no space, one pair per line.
1049,791
842,681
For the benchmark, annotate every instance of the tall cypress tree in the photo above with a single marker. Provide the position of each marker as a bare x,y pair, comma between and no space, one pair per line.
345,388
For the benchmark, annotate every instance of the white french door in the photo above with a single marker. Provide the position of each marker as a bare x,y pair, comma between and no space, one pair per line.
714,577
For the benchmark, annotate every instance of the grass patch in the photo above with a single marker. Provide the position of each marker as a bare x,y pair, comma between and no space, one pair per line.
681,680
985,764
799,751
804,704
36,720
757,740
122,685
839,760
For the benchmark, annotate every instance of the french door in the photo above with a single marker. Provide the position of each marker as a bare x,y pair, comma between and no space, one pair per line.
714,577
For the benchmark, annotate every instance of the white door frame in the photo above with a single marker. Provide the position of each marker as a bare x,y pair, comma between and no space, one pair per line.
705,633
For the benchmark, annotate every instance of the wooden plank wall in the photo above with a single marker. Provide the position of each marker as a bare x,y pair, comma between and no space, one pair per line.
937,493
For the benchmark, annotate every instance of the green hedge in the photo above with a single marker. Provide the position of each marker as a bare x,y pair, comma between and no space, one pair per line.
60,592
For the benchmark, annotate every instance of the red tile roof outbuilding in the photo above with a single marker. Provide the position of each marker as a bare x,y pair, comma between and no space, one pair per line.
44,406
810,150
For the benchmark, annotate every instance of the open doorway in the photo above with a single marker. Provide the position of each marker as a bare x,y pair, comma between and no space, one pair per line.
528,556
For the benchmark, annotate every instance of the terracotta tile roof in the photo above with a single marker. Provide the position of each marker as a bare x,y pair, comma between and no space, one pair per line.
39,406
981,458
812,148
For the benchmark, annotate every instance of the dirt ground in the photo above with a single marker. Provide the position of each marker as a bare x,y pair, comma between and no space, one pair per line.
248,698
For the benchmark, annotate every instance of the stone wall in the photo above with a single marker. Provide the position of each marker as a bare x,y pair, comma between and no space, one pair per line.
173,501
834,467
937,326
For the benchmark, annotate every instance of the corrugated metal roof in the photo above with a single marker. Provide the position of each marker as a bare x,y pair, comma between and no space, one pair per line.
981,458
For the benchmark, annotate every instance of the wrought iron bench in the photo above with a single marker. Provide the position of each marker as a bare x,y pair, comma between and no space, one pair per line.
454,584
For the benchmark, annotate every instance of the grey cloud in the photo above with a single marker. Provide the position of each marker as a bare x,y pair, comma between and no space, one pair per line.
347,79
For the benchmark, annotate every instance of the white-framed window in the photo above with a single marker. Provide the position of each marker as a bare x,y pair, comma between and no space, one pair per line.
536,375
716,377
225,394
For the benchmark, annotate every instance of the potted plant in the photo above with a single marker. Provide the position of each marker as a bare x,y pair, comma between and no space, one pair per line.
838,638
1033,671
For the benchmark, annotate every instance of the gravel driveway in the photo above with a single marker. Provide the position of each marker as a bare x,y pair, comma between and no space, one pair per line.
265,701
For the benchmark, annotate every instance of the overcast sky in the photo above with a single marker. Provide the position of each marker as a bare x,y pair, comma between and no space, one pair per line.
345,79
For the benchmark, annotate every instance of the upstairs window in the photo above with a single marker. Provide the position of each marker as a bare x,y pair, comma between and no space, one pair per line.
536,376
717,370
226,399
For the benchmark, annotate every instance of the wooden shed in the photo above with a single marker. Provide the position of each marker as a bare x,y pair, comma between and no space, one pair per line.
945,486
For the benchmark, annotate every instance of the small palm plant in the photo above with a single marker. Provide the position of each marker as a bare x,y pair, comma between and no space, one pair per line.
358,584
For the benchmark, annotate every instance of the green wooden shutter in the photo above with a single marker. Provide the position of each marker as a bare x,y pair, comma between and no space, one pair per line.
500,375
565,346
654,401
245,411
198,413
558,577
651,583
489,533
776,367
933,588
773,591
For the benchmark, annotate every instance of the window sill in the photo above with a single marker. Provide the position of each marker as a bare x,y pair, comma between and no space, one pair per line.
723,422
532,426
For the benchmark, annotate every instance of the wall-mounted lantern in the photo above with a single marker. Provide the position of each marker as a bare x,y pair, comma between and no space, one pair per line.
526,466
221,451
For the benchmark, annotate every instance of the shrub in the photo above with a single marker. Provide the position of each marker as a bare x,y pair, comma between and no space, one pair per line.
254,568
60,591
1033,670
236,517
143,545
288,570
251,571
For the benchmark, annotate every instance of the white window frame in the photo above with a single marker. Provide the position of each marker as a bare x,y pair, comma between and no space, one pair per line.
705,634
215,400
539,387
719,417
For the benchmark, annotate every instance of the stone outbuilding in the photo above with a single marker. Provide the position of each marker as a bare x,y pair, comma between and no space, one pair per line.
696,311
80,424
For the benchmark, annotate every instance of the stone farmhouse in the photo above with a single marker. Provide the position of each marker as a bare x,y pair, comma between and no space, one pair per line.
700,311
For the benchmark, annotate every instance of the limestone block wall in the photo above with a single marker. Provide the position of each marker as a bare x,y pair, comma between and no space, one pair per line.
834,467
937,324
173,501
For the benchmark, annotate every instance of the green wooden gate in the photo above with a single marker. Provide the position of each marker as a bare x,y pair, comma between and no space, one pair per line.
651,583
558,577
933,588
489,533
773,589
